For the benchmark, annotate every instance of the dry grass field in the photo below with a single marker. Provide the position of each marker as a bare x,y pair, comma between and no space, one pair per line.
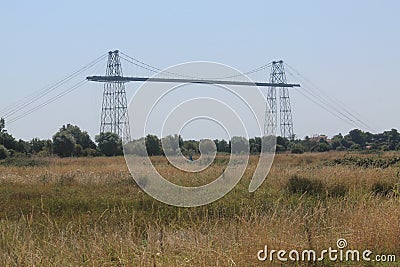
90,212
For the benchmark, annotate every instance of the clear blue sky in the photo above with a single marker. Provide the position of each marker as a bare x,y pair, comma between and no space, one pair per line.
351,49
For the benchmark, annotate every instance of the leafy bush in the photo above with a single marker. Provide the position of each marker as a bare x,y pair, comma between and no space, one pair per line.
323,147
340,148
43,153
355,147
297,149
3,152
280,148
110,144
90,152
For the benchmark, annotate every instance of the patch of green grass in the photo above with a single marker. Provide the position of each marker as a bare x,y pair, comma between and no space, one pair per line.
370,162
23,162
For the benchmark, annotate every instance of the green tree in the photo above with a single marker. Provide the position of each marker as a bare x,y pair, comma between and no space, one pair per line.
346,143
7,140
2,124
67,136
239,144
23,147
153,145
136,147
207,146
309,144
3,152
109,144
357,136
222,145
336,141
38,145
191,146
255,145
78,151
323,146
180,142
280,148
297,148
63,144
171,144
81,138
393,139
268,143
282,142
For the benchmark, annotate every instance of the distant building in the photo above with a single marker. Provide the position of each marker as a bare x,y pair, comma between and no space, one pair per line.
320,137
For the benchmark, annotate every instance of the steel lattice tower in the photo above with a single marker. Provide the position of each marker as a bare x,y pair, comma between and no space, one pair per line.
114,112
285,117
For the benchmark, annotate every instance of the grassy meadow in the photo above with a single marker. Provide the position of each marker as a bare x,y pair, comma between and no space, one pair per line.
90,212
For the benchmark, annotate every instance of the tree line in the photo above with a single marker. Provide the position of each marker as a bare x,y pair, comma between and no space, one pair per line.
71,141
68,141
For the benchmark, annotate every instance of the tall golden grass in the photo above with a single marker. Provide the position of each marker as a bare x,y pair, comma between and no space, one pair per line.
90,212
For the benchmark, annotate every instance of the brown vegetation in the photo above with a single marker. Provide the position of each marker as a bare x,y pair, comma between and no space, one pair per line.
90,212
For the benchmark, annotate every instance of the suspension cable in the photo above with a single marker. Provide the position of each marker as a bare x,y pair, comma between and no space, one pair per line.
34,97
49,101
330,100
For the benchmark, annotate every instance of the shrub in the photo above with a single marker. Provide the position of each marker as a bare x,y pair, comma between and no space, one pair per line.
78,150
280,148
3,152
90,152
43,153
355,147
302,185
323,147
340,148
297,149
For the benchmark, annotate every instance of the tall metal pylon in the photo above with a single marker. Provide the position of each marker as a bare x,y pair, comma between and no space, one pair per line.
114,112
285,116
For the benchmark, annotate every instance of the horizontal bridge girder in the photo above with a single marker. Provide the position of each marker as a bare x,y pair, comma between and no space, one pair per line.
200,81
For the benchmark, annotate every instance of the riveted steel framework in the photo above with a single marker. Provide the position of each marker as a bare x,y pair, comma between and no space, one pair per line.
278,76
114,112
